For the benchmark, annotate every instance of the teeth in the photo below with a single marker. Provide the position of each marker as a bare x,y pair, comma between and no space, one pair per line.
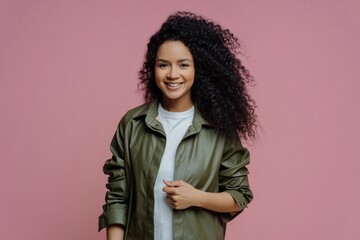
173,84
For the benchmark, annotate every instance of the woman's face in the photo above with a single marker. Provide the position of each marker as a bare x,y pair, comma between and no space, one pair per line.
174,74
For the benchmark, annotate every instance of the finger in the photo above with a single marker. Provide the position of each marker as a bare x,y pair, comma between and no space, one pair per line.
172,183
166,189
173,198
168,183
170,201
173,203
170,190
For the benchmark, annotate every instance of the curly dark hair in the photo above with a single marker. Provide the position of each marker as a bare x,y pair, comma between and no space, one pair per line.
220,86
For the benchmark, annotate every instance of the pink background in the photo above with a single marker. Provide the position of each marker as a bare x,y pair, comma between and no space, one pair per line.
68,72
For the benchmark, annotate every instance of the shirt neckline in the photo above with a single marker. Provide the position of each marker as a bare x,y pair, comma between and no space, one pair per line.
168,114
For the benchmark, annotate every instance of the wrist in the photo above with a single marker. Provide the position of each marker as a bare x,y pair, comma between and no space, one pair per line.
200,199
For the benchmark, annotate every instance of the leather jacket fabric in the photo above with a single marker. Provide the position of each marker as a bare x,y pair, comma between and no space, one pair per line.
205,158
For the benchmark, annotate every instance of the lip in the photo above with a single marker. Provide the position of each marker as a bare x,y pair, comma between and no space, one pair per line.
173,85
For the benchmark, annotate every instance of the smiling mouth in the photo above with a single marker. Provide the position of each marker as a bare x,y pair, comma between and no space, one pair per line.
173,84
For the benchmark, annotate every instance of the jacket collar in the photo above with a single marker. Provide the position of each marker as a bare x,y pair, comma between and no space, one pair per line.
150,112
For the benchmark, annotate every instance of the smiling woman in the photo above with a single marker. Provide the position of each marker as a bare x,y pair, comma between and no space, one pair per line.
174,74
178,169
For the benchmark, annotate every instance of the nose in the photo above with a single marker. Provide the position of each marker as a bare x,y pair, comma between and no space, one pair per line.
173,73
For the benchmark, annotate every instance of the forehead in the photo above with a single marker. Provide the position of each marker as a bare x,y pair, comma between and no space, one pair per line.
173,50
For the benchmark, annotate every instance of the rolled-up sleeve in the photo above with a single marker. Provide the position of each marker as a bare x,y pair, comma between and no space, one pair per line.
115,209
233,176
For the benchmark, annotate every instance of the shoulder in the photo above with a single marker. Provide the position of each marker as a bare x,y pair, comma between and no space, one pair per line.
139,112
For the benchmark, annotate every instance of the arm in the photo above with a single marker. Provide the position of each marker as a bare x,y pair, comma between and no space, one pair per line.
114,232
218,202
116,207
233,176
182,195
234,191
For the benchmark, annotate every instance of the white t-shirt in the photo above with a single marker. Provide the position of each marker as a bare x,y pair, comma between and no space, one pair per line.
175,125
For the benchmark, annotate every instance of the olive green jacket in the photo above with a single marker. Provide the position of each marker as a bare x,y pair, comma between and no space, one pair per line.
204,158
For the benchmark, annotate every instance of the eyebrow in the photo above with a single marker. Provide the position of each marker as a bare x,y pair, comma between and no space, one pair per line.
180,60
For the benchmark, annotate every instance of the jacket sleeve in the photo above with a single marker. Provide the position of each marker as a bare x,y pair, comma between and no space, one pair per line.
116,199
233,176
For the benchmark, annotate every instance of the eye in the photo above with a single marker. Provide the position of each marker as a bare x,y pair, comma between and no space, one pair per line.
184,65
162,65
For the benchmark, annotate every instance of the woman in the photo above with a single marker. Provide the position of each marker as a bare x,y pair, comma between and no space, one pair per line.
178,169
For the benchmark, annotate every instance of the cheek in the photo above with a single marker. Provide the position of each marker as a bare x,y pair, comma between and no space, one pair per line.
157,82
157,77
191,76
159,74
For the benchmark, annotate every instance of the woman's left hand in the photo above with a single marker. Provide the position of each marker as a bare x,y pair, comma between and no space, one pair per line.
181,195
